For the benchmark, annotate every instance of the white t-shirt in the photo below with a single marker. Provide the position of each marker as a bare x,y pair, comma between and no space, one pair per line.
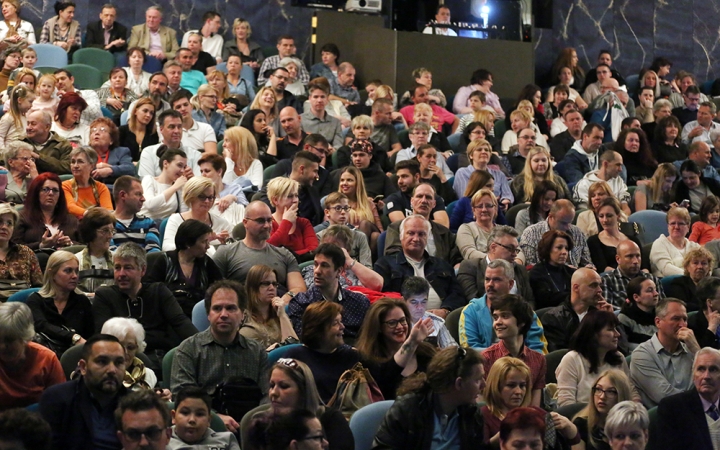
213,44
78,136
196,137
149,164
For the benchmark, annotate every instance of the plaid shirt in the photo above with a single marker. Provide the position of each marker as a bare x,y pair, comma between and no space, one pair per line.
534,360
273,62
579,256
615,286
45,35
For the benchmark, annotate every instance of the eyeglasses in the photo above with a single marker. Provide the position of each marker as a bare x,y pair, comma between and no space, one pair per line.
107,231
529,138
677,224
7,223
318,438
394,323
269,283
96,129
318,149
151,434
25,158
339,208
485,206
261,220
204,198
47,190
214,97
514,250
609,393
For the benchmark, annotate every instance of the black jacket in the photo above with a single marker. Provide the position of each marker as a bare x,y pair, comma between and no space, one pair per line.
409,425
471,277
682,424
699,324
549,284
95,36
77,316
683,287
682,192
560,323
561,144
445,247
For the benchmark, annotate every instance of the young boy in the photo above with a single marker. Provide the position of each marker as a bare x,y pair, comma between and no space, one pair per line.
191,424
415,291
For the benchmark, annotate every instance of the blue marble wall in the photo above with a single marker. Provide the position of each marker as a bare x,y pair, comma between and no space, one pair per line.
635,31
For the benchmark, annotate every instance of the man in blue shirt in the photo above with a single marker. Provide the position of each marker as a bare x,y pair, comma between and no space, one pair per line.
191,79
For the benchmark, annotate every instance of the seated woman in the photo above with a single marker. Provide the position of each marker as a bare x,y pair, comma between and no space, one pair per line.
610,388
114,160
518,123
162,193
363,213
249,51
667,147
236,84
294,86
657,194
693,186
60,312
588,220
138,80
241,156
479,153
507,388
538,168
627,420
66,122
230,202
288,230
463,212
550,278
543,197
478,129
633,146
327,67
45,221
708,227
140,130
187,271
386,327
96,264
530,99
267,321
266,102
358,265
698,265
205,110
472,237
82,192
294,376
199,196
603,246
255,121
26,368
637,315
116,96
668,252
21,168
132,337
564,76
19,262
327,355
593,350
227,104
61,30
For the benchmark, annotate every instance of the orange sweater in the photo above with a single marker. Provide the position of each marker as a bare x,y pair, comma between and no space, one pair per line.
86,199
25,386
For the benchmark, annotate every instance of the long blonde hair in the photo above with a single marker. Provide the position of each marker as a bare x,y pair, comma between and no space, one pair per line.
663,171
529,177
621,383
256,103
218,74
362,210
246,150
496,379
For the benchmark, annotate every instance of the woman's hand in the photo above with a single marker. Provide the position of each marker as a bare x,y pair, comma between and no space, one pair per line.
31,169
230,423
713,318
290,214
421,330
222,236
437,171
115,103
225,202
279,306
48,240
63,45
61,240
270,133
564,425
229,108
180,182
102,172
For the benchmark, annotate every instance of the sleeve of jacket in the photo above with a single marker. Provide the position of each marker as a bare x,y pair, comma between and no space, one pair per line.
573,170
393,432
454,295
174,314
102,309
554,332
383,268
183,369
53,408
124,165
536,336
467,278
134,40
174,46
522,278
60,165
295,312
469,329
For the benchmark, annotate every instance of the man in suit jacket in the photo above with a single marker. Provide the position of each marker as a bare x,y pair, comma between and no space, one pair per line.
115,39
684,419
142,36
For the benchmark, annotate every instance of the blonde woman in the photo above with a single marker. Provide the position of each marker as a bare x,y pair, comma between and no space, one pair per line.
479,153
538,167
363,213
82,192
199,195
266,102
241,156
288,230
249,51
472,237
205,110
658,193
588,220
519,120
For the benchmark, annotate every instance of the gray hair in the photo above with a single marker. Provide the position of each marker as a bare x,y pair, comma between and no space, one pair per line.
156,8
707,351
46,117
662,306
362,121
13,148
130,250
419,126
660,104
120,327
428,226
626,414
16,322
286,61
507,268
89,153
500,231
711,105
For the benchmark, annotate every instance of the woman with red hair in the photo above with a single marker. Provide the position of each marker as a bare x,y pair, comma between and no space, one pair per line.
66,122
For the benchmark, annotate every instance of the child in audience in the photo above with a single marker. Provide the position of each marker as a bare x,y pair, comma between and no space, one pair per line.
476,101
46,99
29,58
708,227
13,123
191,423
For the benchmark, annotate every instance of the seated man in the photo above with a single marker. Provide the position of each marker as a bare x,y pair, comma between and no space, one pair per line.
153,305
191,79
610,94
687,113
593,90
583,156
317,120
203,61
502,244
511,322
157,40
130,227
143,417
701,154
629,260
384,134
662,366
173,71
441,242
415,291
604,58
440,116
294,138
343,88
611,165
65,82
442,17
286,47
170,128
107,33
220,354
413,260
560,217
235,260
329,262
571,125
80,412
703,127
399,204
476,328
51,152
212,40
318,146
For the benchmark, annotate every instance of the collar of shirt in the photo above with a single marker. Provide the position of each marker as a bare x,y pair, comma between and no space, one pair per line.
206,338
706,404
658,347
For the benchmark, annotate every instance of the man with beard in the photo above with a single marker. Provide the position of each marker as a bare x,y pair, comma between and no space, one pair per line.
284,98
399,203
81,412
157,92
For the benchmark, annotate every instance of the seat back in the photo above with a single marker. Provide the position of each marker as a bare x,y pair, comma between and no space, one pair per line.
452,322
570,410
49,55
381,243
167,363
102,60
366,421
552,360
654,222
512,213
199,316
69,360
450,207
278,353
86,77
22,296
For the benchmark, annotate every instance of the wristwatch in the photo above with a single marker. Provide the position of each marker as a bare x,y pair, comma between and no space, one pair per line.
76,338
291,294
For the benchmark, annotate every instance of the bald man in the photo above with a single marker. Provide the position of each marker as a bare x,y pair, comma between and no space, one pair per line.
629,260
561,322
292,142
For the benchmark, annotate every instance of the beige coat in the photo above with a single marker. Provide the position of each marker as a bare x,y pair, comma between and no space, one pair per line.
140,37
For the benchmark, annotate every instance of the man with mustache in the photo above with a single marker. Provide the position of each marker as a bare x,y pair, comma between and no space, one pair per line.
81,412
476,321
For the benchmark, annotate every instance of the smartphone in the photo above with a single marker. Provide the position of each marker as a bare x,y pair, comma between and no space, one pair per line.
377,198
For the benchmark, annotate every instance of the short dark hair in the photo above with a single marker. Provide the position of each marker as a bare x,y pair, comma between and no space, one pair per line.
28,428
176,96
217,161
123,184
62,6
544,247
316,320
479,76
415,87
690,166
142,400
314,139
65,71
170,154
193,392
333,252
634,287
604,51
318,84
304,158
94,339
270,431
283,37
410,164
587,131
331,48
210,15
168,113
232,285
94,219
413,286
692,89
519,308
189,232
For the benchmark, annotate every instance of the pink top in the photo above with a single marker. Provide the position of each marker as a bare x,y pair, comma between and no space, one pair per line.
703,233
41,105
440,116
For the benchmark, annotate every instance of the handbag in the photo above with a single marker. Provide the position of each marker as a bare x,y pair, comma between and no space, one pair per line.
10,287
237,397
57,346
634,231
355,389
